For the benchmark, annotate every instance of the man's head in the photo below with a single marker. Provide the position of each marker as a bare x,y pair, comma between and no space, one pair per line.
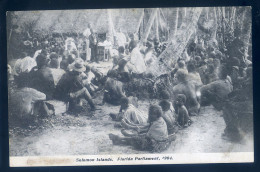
42,60
112,74
124,103
71,58
181,64
181,99
155,112
223,72
121,64
121,49
54,63
165,95
54,56
78,66
165,105
210,68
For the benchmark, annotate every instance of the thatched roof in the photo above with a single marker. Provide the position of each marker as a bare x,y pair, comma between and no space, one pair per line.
77,20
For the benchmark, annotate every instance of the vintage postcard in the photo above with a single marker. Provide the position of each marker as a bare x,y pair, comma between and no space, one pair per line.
130,86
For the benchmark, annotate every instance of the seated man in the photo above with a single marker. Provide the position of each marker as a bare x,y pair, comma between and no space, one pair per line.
154,138
55,62
24,64
121,55
71,89
41,77
130,116
113,89
189,90
87,77
180,65
136,64
210,74
193,75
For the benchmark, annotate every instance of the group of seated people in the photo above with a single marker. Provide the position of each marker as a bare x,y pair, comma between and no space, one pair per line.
205,76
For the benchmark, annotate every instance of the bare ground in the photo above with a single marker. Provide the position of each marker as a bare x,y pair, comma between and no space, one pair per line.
84,135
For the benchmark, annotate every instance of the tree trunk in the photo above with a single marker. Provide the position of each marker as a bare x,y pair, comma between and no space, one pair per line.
247,41
140,21
156,26
110,27
149,25
176,22
177,45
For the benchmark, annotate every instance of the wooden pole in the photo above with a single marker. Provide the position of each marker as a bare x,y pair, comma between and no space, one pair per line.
224,12
176,22
156,26
110,27
140,21
149,25
207,13
247,41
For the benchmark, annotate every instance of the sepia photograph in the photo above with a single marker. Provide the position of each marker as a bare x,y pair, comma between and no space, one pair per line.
130,86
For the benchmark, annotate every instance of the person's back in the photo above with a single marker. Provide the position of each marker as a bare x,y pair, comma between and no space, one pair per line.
24,65
216,92
189,90
42,80
158,130
113,91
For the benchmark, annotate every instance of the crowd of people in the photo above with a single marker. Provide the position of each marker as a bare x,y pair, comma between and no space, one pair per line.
58,67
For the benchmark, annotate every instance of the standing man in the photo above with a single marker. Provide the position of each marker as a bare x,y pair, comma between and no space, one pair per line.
93,45
86,47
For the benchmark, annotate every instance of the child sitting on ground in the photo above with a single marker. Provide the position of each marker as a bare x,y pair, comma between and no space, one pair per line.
154,139
168,116
183,114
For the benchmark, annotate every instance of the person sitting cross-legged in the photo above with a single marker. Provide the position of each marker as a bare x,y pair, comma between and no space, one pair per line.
168,115
154,138
71,89
129,116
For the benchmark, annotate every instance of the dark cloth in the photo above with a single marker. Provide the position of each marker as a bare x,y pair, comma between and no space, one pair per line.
64,64
93,56
68,83
131,45
42,80
238,115
144,143
93,46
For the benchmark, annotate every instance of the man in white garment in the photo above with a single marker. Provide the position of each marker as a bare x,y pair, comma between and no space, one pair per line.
86,34
120,38
136,64
24,64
